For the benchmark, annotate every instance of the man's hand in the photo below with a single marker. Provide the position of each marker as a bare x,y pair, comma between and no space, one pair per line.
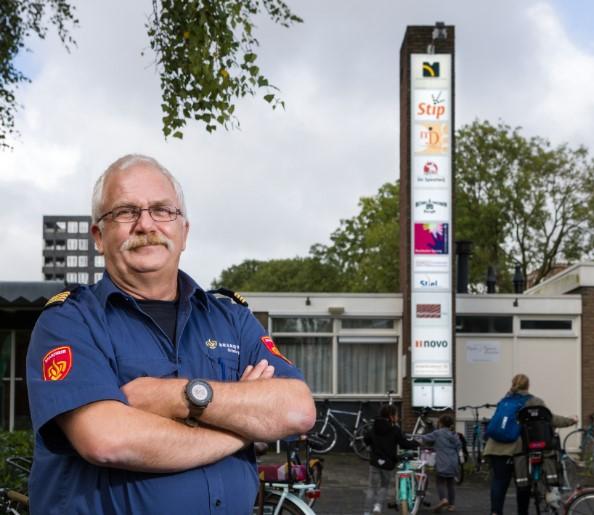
165,397
261,370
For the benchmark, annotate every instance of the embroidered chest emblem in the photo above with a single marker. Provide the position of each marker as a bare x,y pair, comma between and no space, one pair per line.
211,344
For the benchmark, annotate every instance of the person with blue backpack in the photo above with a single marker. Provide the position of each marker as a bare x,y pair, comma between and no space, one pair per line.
504,442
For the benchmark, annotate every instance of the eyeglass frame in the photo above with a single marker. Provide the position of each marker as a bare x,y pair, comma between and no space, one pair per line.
176,211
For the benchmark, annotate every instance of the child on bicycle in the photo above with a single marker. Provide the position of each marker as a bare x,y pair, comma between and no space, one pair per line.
447,444
384,439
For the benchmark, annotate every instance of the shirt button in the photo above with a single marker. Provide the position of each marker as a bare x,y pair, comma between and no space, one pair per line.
218,503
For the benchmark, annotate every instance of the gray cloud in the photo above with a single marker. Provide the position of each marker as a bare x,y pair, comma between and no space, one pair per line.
284,180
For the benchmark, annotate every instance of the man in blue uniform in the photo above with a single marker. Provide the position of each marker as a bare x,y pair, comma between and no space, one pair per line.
146,392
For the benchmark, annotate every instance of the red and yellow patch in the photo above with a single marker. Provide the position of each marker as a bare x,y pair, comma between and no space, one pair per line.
57,363
271,346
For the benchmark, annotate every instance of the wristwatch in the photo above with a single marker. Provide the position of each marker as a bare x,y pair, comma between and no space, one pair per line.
199,393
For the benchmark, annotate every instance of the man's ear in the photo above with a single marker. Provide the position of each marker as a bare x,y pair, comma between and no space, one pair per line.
98,237
186,231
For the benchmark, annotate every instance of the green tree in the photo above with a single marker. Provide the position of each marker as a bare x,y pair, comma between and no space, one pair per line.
296,274
520,200
19,20
205,54
365,248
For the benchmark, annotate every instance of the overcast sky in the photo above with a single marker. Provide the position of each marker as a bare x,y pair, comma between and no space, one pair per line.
287,178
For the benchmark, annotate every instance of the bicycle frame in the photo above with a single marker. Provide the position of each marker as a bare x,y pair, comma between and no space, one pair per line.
331,415
284,494
412,482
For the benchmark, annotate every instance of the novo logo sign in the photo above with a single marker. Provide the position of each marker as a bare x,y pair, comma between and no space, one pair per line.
434,344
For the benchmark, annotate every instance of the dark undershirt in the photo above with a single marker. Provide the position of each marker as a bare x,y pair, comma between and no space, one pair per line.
164,313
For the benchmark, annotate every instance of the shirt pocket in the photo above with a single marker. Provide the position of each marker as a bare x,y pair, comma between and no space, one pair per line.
132,367
227,367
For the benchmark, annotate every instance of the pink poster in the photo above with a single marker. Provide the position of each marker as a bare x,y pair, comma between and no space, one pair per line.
431,238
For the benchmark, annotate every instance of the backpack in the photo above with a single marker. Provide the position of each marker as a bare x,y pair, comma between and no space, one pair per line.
504,426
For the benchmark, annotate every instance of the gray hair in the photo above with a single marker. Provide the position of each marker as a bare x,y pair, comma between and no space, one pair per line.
124,163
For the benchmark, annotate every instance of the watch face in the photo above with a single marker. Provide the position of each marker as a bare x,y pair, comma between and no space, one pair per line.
199,392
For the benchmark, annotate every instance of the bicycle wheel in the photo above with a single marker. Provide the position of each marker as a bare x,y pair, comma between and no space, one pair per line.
322,438
581,504
359,446
572,443
289,506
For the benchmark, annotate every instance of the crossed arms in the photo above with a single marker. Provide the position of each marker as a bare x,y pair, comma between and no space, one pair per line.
147,435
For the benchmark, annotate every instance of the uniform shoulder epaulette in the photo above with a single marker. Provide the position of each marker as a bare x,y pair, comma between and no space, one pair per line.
59,298
239,299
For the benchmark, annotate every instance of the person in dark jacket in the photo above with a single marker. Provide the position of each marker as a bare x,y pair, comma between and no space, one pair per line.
384,439
447,444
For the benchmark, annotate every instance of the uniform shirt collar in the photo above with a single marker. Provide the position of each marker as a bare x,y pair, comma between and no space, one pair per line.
188,288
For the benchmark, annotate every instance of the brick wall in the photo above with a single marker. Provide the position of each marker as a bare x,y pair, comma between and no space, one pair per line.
587,294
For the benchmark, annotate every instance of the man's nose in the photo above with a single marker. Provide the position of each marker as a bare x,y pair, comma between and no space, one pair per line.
144,223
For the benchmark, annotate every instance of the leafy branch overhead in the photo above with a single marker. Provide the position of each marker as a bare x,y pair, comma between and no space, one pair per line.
19,20
206,56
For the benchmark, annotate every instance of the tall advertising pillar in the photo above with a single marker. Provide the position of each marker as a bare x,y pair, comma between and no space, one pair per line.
427,277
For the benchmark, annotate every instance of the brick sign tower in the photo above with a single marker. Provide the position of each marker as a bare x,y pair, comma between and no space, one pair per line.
426,216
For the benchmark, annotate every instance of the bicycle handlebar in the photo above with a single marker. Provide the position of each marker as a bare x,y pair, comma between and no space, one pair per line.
487,405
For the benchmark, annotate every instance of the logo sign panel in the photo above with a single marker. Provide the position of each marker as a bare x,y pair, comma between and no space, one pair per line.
431,205
431,171
432,351
431,263
431,138
431,105
431,71
431,238
431,309
424,281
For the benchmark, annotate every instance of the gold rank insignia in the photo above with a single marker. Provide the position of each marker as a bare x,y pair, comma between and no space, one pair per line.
58,298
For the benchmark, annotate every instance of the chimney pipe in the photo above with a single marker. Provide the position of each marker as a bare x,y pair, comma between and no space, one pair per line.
463,251
491,279
518,279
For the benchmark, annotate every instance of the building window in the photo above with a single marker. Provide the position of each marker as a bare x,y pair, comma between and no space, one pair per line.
72,244
98,276
99,262
83,244
83,227
48,244
60,226
71,277
83,261
83,278
546,325
48,261
367,323
361,359
60,262
367,364
484,324
73,227
60,245
313,355
71,261
302,325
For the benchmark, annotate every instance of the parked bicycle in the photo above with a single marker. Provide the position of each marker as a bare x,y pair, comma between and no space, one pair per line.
411,482
300,474
580,502
11,501
580,442
478,433
324,435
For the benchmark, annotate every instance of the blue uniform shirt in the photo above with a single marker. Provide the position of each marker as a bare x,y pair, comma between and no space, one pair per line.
84,349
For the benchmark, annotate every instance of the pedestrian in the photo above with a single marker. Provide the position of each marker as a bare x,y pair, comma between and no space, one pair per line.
500,452
146,392
384,439
447,446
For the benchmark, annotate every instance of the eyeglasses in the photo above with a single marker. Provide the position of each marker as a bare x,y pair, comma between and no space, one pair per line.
129,214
